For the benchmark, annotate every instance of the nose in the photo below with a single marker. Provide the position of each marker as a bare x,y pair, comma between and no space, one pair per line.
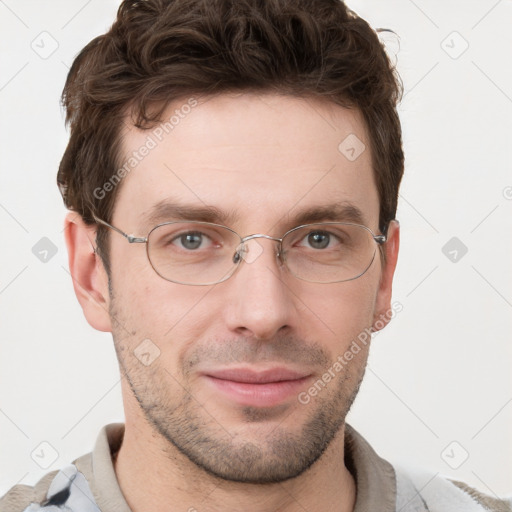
260,302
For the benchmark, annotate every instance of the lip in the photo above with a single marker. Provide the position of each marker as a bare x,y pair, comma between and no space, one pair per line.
264,388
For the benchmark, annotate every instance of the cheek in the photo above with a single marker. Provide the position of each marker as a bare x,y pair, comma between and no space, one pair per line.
173,317
339,313
146,300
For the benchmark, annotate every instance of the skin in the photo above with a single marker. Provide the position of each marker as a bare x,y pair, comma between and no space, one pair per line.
187,445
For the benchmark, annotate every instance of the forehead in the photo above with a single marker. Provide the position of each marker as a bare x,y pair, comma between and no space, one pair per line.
248,158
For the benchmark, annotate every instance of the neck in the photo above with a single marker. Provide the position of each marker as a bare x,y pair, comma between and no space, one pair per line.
154,476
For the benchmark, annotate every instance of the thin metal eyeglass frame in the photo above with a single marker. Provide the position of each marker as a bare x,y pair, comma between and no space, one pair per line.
379,239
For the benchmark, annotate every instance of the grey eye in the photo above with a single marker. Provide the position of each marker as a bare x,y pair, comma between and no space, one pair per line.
191,240
319,239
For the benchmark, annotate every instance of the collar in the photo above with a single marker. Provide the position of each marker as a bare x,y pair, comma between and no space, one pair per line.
375,477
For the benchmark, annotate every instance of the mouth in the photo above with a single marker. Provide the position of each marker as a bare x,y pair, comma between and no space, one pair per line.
264,388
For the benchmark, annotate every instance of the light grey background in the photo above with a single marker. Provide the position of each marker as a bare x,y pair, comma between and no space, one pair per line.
438,386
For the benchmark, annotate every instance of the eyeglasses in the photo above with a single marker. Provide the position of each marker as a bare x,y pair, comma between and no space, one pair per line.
204,253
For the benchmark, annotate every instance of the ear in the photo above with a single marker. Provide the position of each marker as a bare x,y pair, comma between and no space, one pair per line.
90,279
383,311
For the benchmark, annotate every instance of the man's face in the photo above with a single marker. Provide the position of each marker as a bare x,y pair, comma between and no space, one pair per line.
213,391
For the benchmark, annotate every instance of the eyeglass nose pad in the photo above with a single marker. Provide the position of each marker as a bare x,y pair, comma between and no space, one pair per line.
249,253
238,254
243,252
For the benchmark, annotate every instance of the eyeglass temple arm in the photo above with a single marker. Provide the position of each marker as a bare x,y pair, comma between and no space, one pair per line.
131,239
380,239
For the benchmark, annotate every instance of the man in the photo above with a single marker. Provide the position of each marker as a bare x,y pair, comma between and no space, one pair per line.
232,175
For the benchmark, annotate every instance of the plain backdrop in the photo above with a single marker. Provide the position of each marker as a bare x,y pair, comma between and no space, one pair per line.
437,391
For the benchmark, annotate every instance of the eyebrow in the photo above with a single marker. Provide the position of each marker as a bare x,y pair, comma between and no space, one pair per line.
169,210
336,212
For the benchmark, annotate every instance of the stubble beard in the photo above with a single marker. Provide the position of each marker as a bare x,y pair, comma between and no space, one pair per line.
275,455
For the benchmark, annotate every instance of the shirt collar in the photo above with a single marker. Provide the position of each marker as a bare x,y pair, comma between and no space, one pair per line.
375,477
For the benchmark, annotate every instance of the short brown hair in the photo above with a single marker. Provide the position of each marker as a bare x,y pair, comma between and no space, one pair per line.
160,50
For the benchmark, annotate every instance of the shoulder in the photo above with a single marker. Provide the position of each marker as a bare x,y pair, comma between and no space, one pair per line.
420,490
488,502
19,497
67,487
